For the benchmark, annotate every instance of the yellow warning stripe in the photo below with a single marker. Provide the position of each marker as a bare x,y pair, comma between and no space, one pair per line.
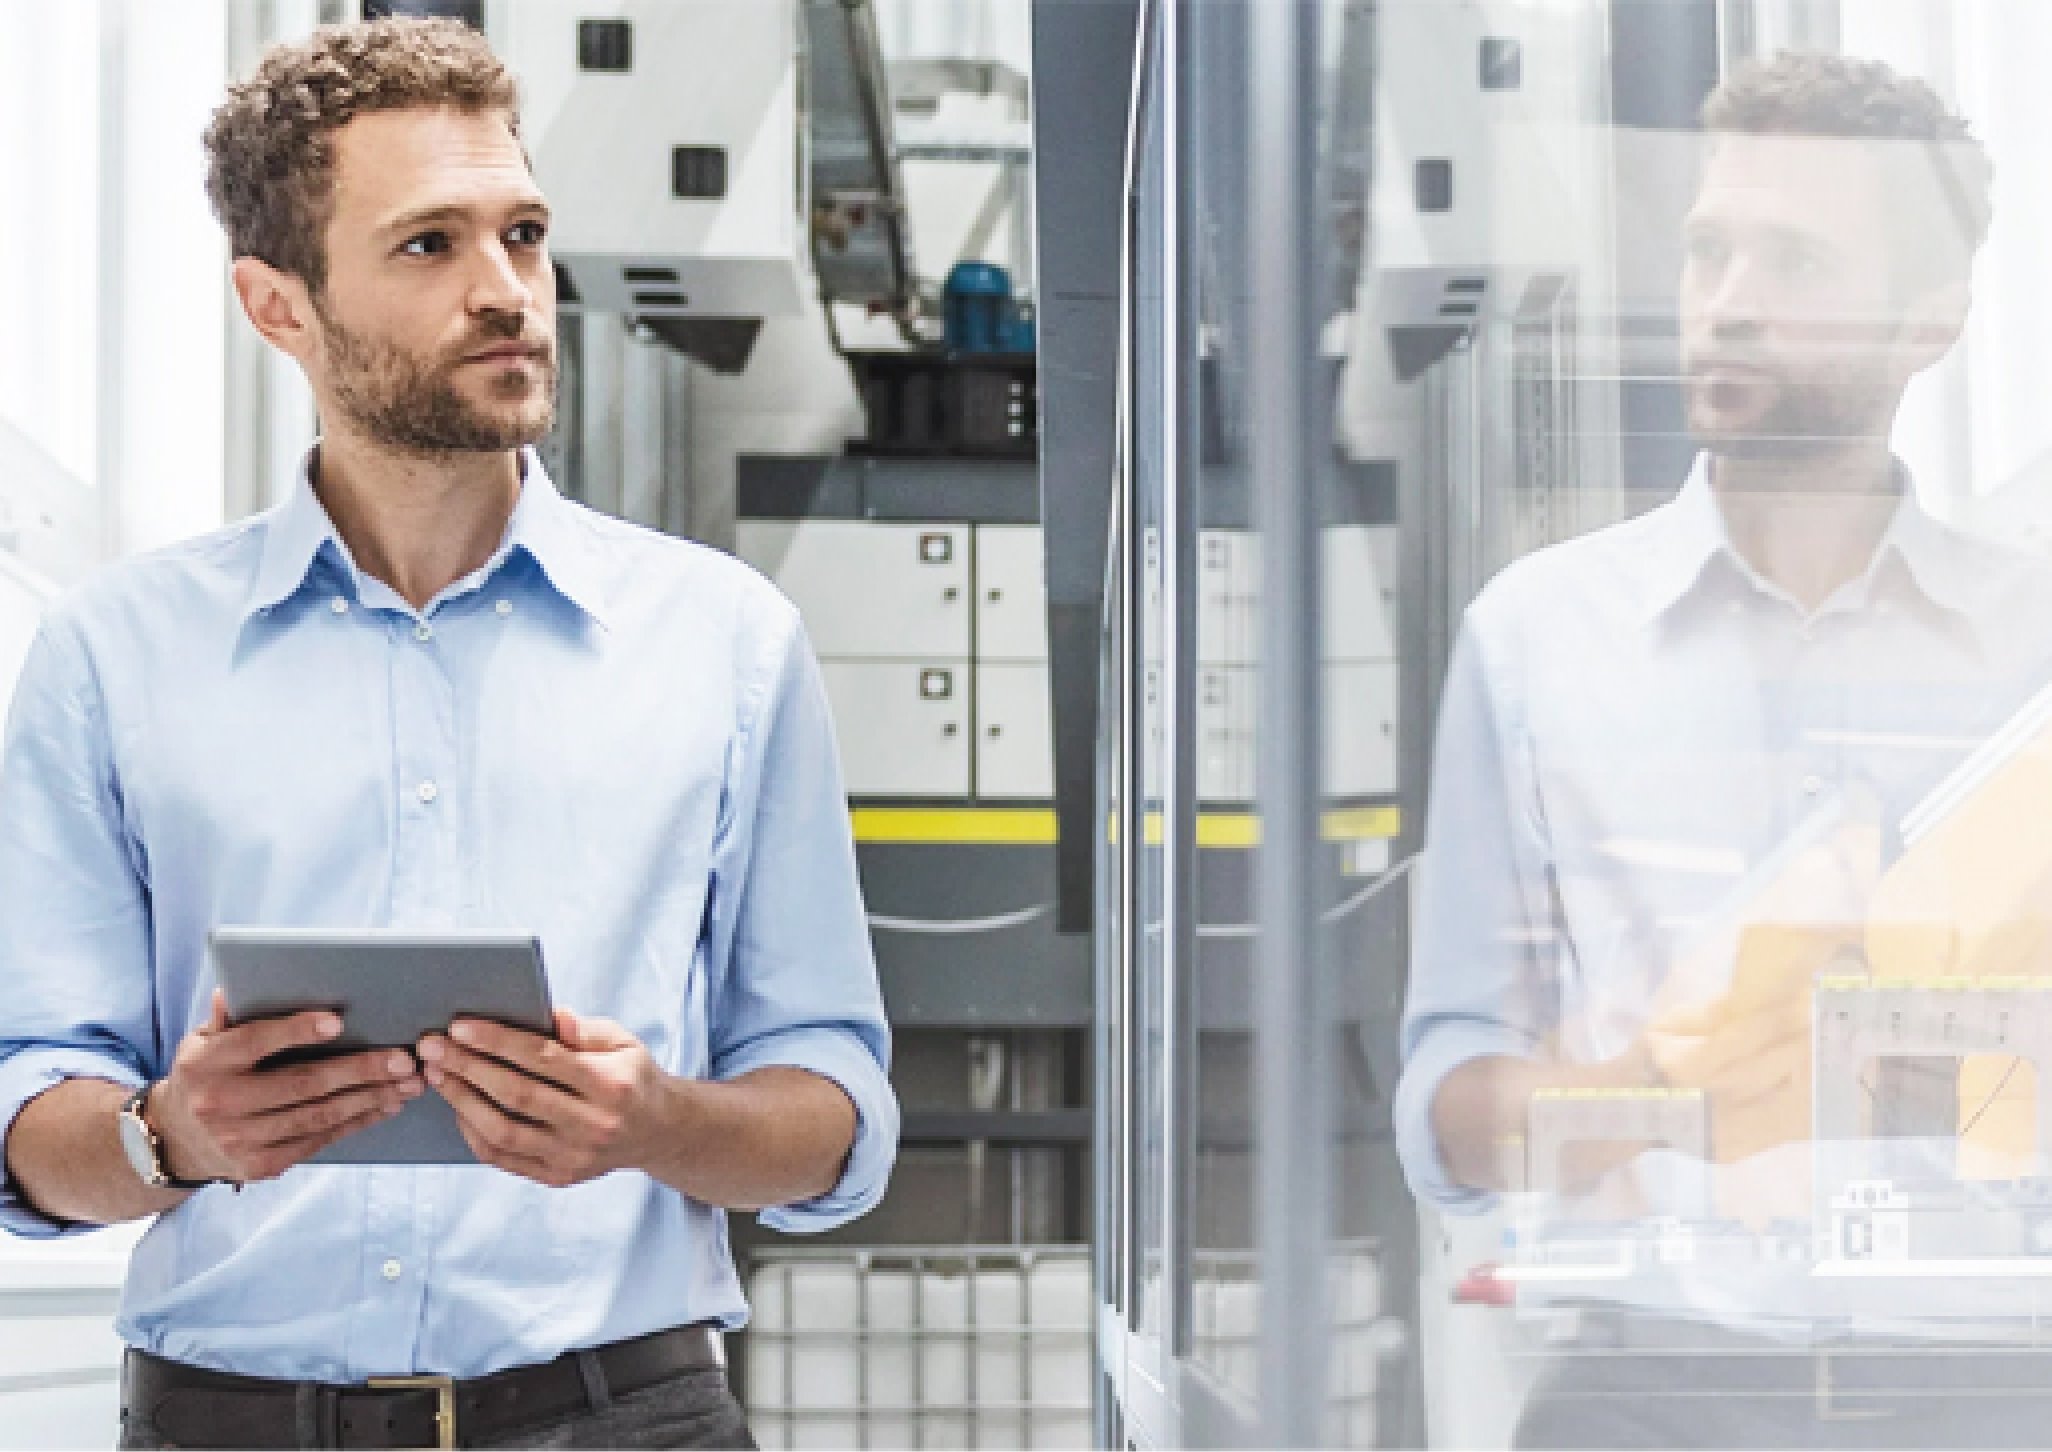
1035,826
996,826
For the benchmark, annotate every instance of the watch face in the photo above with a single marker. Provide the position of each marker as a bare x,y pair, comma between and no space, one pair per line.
137,1145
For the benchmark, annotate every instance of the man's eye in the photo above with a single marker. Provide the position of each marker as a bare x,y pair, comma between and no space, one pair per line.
427,244
528,234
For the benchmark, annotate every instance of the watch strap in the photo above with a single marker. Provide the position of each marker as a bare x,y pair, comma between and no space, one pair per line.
137,1108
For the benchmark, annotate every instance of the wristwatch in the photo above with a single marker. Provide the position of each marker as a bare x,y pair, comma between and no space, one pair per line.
145,1147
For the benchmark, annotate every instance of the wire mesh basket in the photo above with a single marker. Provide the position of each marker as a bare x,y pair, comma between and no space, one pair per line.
920,1347
1225,1306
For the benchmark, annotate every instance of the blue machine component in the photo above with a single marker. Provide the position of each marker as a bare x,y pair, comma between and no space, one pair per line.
979,313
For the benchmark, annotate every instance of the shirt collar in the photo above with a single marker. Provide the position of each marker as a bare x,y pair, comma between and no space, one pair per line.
1690,534
546,527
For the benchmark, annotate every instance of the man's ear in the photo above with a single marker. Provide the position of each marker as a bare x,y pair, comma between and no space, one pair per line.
278,305
1933,324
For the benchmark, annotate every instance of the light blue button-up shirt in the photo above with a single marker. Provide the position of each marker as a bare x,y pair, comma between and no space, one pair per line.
1635,722
614,740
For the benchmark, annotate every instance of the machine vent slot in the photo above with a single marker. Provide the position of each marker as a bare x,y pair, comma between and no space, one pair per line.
698,173
1503,63
1434,184
605,45
1468,286
661,298
650,274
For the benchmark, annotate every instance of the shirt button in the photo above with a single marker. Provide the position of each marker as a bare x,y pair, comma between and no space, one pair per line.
339,605
504,607
423,631
427,791
1812,785
391,1270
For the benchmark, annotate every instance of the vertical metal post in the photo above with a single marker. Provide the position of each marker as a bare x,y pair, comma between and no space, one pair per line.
1292,997
679,498
1180,522
601,451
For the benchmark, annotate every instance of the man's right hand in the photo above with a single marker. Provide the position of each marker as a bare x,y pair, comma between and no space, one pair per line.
221,1117
1751,1059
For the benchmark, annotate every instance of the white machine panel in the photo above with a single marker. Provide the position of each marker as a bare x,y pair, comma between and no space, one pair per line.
1014,732
1358,564
1228,597
1360,592
711,230
1227,702
1360,729
1011,593
1508,97
869,591
903,728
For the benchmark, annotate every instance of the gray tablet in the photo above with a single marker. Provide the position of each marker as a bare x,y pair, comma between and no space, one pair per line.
390,988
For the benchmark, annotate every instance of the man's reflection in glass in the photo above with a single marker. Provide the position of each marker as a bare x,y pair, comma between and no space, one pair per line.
1677,765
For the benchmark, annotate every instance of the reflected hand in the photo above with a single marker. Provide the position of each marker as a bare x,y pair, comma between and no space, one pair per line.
1751,1060
556,1111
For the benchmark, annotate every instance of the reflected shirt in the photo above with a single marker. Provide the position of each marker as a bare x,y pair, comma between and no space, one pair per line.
614,740
1633,723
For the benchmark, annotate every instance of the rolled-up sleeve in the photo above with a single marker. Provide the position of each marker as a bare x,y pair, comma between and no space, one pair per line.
795,981
74,910
1485,936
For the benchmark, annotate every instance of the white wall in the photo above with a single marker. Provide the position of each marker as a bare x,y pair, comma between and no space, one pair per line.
1978,425
20,608
49,286
164,479
112,283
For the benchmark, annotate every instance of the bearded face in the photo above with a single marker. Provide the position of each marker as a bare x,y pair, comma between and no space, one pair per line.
1793,312
1748,398
492,391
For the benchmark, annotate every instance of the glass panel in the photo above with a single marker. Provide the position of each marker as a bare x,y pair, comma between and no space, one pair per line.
1148,644
1706,379
1367,842
1225,1282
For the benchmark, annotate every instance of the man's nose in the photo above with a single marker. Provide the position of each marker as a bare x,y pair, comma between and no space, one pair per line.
1737,296
497,285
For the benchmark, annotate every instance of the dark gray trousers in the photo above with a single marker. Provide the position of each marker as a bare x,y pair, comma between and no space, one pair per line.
697,1409
1733,1394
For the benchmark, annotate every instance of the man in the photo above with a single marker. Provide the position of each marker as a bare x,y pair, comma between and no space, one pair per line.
427,692
1672,757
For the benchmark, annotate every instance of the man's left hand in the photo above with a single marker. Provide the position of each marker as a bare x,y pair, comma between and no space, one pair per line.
557,1111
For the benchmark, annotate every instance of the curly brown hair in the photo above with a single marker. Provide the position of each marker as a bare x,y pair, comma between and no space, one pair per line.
1804,93
270,164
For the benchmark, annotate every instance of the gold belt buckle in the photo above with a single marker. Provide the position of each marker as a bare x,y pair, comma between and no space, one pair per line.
444,1388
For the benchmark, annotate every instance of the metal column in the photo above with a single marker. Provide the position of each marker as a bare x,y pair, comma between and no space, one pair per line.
1293,997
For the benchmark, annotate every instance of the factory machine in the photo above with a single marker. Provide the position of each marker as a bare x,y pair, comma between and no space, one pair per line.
800,323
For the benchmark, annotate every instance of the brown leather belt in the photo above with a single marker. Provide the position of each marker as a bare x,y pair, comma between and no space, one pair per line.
194,1407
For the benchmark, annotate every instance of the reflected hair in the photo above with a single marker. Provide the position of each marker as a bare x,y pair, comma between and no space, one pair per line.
1837,97
270,157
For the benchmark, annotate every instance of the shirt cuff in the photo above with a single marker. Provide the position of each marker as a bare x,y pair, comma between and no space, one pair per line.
24,1076
842,1056
1443,1048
